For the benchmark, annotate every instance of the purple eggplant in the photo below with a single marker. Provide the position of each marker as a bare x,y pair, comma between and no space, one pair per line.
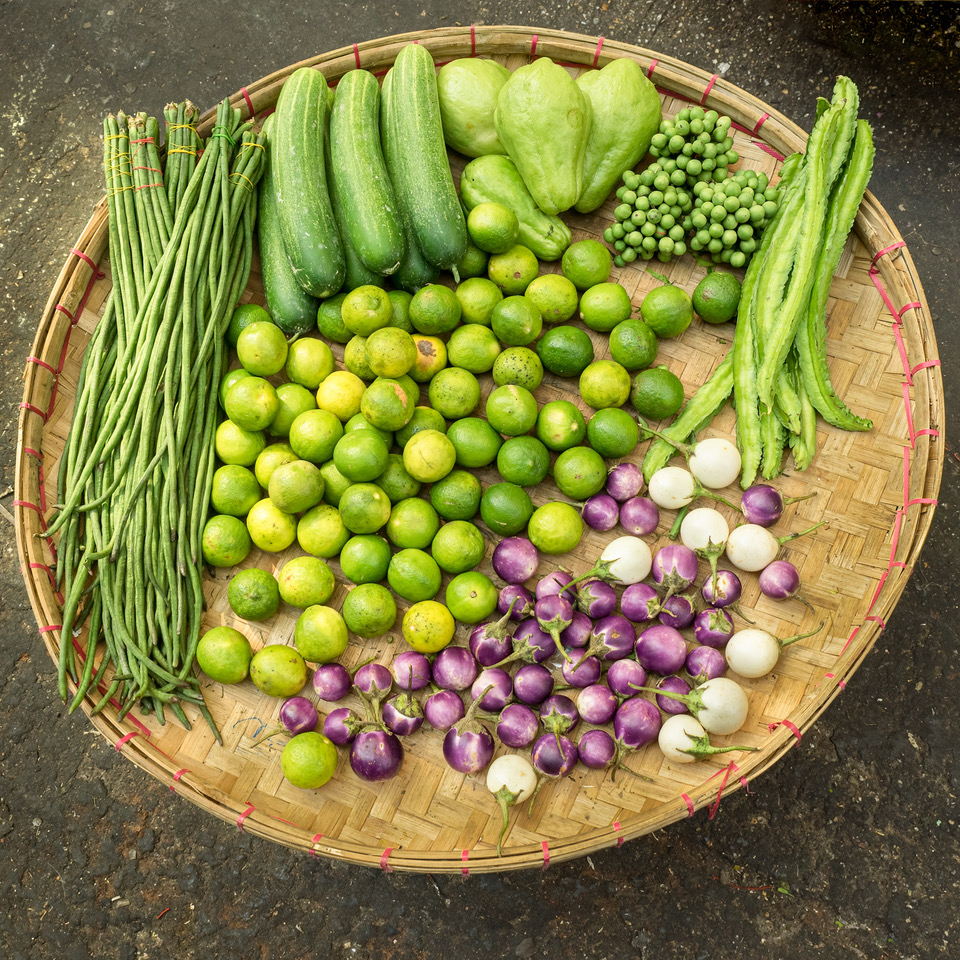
640,602
516,600
559,714
492,641
403,714
597,704
613,638
675,567
639,516
331,682
443,709
515,560
677,611
763,505
581,672
553,583
494,687
577,634
376,755
341,726
554,614
298,715
596,599
672,684
704,663
597,749
601,512
624,481
411,670
468,745
635,724
661,649
713,627
531,644
373,681
554,756
780,580
518,725
533,683
624,677
722,591
454,668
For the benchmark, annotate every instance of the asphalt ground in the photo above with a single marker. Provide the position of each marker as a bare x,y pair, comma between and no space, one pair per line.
848,847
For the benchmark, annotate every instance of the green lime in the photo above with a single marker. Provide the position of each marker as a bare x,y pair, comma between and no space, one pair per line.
518,365
431,357
717,297
424,418
506,508
413,575
471,597
474,262
633,345
409,386
308,760
234,490
305,581
228,380
364,508
555,527
251,402
395,482
361,455
400,301
475,440
613,433
278,670
604,383
457,495
657,393
555,296
478,296
233,444
560,424
604,305
296,486
454,392
242,317
434,309
565,350
428,626
314,434
473,347
271,529
355,358
387,405
390,352
225,541
294,400
369,610
262,348
516,321
511,410
493,227
579,472
309,362
321,531
364,558
359,422
329,320
586,263
334,483
514,269
667,310
271,457
524,461
340,394
429,456
224,655
365,309
320,634
413,524
253,594
458,546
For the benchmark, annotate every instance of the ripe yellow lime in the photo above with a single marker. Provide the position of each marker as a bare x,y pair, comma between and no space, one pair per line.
309,362
478,296
365,309
555,527
320,634
271,457
225,541
555,296
429,455
321,532
224,655
278,670
431,357
605,383
604,305
296,486
473,347
493,227
251,402
340,393
390,352
428,626
308,760
271,529
262,348
516,321
242,317
228,380
305,581
294,400
355,358
314,434
234,490
434,309
514,270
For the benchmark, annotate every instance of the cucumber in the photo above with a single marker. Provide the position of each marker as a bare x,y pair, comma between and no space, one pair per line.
415,271
371,221
418,167
293,310
307,223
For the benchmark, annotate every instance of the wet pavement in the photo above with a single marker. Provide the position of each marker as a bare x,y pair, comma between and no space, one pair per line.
848,847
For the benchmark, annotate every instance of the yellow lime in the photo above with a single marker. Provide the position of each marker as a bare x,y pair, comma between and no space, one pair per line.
314,434
369,610
513,270
365,309
330,320
717,297
364,508
233,444
251,402
295,487
428,626
478,296
271,529
520,366
305,581
234,490
555,296
604,305
413,524
224,655
555,527
475,440
320,634
242,317
667,310
458,546
228,380
294,400
308,760
309,362
586,262
493,227
262,348
473,347
454,392
340,393
633,345
253,594
516,321
321,532
278,670
269,459
225,541
429,455
431,357
390,352
413,575
604,383
471,597
657,393
434,309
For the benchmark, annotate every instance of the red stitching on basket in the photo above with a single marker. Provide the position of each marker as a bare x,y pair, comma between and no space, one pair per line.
316,838
123,740
766,148
731,767
763,119
63,309
546,853
691,810
176,778
356,55
51,627
41,363
384,857
96,271
596,53
243,816
651,68
533,45
33,409
879,620
706,93
32,506
464,857
616,826
473,40
790,725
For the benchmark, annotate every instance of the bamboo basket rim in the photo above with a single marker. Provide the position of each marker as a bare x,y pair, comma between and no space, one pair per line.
891,269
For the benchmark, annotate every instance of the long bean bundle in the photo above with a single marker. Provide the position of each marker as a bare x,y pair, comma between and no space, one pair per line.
776,369
137,468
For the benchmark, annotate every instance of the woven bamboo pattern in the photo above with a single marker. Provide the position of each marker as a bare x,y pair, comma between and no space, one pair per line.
877,491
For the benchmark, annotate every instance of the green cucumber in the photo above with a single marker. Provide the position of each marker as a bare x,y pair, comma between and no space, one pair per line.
371,222
415,271
293,310
307,223
419,168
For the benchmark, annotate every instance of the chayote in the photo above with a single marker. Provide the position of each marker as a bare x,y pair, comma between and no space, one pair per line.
543,120
468,90
626,115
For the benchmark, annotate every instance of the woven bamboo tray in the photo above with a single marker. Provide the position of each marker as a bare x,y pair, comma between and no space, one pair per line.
877,490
